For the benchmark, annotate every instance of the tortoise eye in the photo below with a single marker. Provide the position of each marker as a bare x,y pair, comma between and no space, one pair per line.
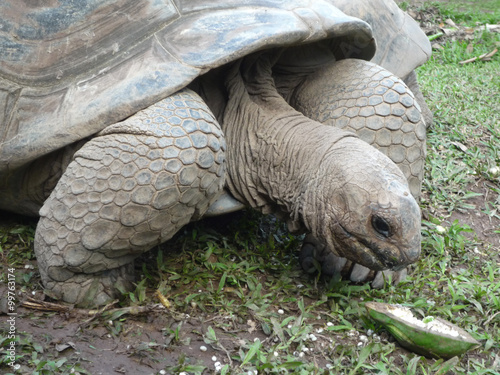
381,226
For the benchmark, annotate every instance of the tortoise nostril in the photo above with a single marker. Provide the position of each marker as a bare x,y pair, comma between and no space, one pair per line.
381,226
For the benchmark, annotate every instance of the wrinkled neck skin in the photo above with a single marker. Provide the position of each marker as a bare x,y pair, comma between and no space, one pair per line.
316,177
275,153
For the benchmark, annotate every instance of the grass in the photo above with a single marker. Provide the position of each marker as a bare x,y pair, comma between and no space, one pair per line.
266,316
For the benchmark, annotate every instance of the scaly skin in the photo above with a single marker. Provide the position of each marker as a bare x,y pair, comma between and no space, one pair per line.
319,178
128,189
366,99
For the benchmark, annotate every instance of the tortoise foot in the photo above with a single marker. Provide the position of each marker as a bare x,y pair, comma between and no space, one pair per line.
90,290
315,257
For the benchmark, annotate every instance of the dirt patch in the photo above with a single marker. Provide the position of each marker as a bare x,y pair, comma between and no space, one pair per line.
483,224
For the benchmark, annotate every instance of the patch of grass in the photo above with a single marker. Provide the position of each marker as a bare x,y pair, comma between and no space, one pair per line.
463,143
470,12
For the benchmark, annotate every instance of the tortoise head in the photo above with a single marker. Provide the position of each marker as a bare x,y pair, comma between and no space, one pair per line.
366,212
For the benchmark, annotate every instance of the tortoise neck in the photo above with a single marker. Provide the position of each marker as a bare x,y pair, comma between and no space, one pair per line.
274,152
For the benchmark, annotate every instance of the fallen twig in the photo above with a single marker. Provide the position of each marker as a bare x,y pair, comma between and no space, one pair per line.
35,304
483,57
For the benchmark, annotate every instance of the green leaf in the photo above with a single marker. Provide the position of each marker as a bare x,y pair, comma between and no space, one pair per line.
254,348
447,366
277,329
363,355
412,365
210,335
290,365
222,282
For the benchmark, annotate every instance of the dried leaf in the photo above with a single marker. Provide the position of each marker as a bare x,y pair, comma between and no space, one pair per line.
252,326
488,55
63,347
164,301
459,145
450,23
449,31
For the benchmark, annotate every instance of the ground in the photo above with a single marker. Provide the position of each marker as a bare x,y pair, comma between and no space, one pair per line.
233,286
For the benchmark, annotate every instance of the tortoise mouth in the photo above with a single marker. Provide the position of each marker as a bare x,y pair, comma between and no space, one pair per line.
371,254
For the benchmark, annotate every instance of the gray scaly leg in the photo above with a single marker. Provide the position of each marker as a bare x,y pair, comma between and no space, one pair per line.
128,189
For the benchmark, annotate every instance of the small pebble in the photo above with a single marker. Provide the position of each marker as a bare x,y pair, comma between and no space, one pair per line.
440,229
163,372
329,366
289,326
276,354
329,324
180,373
369,332
320,330
203,348
281,311
214,358
301,354
363,338
312,337
360,343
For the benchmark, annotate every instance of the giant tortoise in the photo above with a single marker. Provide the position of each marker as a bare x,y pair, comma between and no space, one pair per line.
122,121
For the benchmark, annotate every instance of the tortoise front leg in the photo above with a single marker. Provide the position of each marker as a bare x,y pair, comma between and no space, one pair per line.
128,189
370,101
